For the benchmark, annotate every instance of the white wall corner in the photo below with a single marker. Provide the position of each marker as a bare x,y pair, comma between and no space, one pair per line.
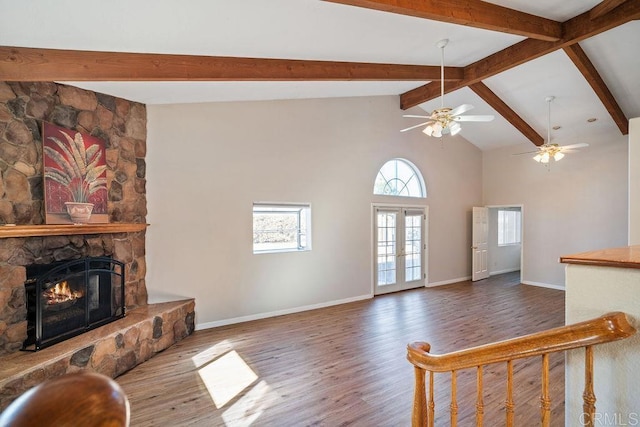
543,285
634,181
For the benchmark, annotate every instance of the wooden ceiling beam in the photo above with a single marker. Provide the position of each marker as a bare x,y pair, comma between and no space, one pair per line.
505,111
472,13
29,64
575,30
584,26
604,7
489,66
590,73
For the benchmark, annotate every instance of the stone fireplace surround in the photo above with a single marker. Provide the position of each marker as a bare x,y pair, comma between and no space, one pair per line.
147,329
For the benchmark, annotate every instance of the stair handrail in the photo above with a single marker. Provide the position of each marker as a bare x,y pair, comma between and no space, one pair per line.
609,327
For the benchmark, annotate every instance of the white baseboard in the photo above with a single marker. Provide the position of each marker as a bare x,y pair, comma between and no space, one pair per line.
543,285
508,270
249,318
242,319
448,282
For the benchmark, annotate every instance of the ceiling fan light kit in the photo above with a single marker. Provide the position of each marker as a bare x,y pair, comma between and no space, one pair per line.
443,124
548,150
433,129
444,120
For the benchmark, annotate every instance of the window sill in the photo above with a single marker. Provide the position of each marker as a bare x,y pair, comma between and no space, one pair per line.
280,251
510,244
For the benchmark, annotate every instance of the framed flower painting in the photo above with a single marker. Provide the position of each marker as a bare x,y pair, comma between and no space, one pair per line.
75,176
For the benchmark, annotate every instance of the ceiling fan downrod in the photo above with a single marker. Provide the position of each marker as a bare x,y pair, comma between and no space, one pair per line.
549,99
442,44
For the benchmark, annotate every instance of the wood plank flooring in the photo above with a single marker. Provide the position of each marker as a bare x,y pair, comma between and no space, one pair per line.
346,365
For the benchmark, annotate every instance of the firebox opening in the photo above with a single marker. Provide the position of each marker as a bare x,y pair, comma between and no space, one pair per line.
65,299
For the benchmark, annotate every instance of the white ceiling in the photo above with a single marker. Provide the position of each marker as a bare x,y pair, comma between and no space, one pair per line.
313,29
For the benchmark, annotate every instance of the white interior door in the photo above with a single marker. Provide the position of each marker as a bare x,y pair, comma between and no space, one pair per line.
399,248
480,247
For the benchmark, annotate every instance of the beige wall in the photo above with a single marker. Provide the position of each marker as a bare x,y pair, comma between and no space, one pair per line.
592,292
579,204
207,163
634,181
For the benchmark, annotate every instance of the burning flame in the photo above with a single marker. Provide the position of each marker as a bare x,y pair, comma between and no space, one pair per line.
61,292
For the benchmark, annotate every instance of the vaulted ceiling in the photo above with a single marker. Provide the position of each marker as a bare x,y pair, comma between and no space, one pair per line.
504,56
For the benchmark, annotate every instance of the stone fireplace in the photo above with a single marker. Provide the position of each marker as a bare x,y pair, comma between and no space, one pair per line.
18,254
26,243
122,125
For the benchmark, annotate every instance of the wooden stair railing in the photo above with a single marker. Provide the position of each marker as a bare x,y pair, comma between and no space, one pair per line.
607,328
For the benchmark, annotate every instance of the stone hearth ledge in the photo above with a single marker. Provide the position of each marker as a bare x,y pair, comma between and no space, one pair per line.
111,349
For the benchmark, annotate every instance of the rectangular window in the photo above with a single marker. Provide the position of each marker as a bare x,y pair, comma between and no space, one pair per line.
509,224
281,227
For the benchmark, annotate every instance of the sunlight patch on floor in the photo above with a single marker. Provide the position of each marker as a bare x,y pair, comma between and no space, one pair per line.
250,406
226,377
211,353
231,381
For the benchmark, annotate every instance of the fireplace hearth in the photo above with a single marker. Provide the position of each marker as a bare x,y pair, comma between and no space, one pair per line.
65,299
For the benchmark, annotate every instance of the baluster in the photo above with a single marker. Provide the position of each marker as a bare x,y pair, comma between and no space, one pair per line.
432,403
454,400
588,397
479,399
545,400
509,405
419,399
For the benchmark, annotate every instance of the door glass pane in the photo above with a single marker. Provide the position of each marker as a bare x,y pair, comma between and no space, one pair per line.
413,245
386,248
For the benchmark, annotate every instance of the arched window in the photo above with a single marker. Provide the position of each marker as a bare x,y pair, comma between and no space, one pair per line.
399,177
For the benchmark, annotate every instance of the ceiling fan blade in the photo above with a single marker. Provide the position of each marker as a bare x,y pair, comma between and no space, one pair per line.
461,109
415,126
419,117
473,118
526,152
569,147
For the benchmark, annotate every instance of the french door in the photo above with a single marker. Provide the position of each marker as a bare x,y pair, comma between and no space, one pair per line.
399,248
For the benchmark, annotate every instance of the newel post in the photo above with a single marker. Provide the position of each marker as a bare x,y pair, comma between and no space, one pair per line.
419,413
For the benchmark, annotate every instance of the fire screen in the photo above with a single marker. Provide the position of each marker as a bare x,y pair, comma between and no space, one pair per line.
65,299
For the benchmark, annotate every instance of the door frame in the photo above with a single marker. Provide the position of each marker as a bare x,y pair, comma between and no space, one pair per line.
522,233
372,227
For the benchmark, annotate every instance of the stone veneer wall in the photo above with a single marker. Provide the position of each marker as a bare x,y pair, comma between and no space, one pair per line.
122,125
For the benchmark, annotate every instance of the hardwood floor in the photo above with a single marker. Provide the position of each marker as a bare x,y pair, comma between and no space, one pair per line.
346,365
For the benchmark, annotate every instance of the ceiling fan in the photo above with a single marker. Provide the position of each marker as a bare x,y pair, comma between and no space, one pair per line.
445,120
548,150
